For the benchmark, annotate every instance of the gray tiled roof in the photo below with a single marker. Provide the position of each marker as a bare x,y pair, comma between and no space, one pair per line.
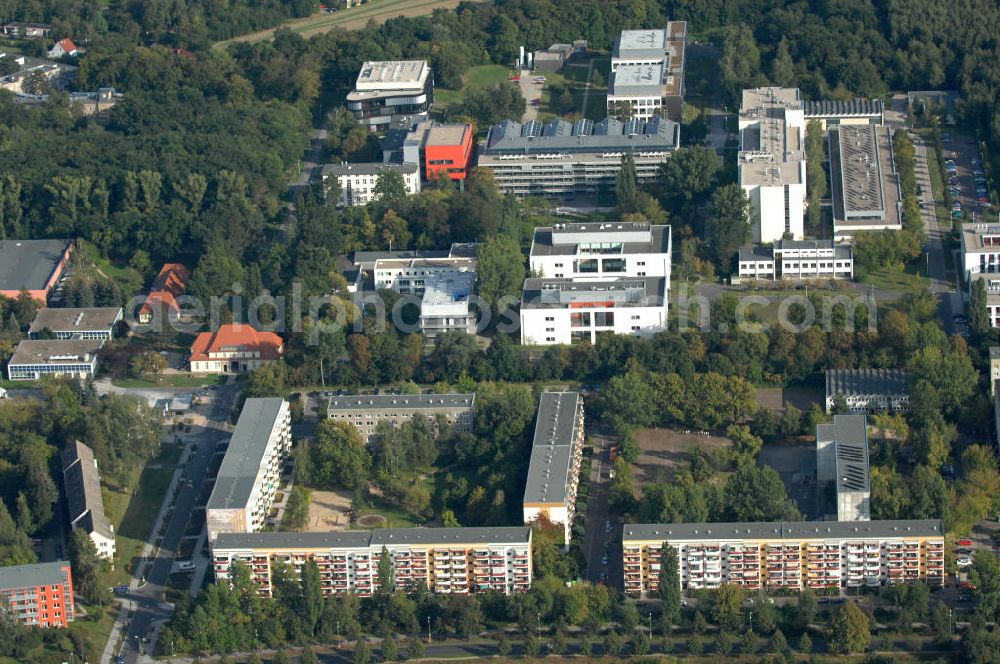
401,401
238,472
29,263
851,382
850,434
75,319
379,537
551,448
82,484
783,530
29,576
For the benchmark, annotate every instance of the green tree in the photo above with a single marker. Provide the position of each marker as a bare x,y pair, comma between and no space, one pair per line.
500,273
727,605
503,646
627,185
307,656
850,631
386,576
640,644
782,67
613,644
339,456
389,650
816,182
979,321
389,187
532,646
728,226
312,596
362,653
805,643
942,623
414,648
757,494
89,571
670,583
690,174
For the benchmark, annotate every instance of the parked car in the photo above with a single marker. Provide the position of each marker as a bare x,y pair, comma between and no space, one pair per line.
964,561
604,560
120,590
185,566
964,552
964,542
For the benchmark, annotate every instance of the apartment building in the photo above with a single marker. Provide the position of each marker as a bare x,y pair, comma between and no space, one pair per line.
356,182
569,311
980,248
864,184
562,158
34,359
391,90
772,161
869,390
554,468
661,51
782,555
234,348
250,473
842,459
367,410
39,595
991,282
596,250
796,259
84,503
83,323
444,560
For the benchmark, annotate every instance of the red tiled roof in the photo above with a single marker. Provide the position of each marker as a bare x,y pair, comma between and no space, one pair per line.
235,335
67,45
170,283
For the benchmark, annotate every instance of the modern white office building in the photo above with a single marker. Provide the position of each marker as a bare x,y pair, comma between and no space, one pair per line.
601,251
796,259
85,323
772,162
980,248
868,390
554,469
365,411
442,560
636,91
786,555
356,182
842,459
391,90
649,50
250,474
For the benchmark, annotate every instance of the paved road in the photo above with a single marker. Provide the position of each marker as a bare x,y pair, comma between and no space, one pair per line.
597,516
530,91
149,609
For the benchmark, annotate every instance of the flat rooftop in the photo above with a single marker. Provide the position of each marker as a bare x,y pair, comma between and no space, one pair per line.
38,574
447,134
550,293
640,44
552,448
512,140
336,170
400,263
55,351
777,530
368,259
850,435
760,252
857,174
600,239
637,81
377,402
862,382
755,99
448,289
981,238
391,74
389,537
245,454
855,108
28,264
75,320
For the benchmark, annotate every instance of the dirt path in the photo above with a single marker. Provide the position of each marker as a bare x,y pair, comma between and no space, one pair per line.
351,19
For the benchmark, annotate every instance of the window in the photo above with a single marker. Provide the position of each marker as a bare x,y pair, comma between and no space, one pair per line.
604,319
549,319
588,265
550,339
550,329
580,319
635,317
635,328
613,265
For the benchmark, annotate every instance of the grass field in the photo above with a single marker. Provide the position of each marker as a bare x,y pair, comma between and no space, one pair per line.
482,75
911,280
377,11
173,380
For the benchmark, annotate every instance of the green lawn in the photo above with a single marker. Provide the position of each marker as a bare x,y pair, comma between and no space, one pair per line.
394,515
173,380
911,280
482,75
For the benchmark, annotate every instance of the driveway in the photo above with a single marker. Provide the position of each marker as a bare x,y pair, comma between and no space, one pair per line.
597,516
530,91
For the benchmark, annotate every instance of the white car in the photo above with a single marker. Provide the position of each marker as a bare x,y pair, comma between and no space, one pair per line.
185,566
611,474
604,560
964,561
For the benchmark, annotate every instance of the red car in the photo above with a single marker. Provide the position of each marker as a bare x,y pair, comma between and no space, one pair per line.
964,542
965,585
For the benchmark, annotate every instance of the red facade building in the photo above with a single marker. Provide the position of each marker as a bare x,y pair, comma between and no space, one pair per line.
448,151
39,595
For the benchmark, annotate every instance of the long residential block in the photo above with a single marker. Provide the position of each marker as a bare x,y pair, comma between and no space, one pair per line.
84,502
554,469
786,555
39,595
443,560
365,411
250,473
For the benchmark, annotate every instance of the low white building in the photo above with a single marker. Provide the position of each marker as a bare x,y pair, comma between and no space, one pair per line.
569,311
38,358
356,182
796,259
596,250
636,91
250,474
980,248
76,323
842,458
554,469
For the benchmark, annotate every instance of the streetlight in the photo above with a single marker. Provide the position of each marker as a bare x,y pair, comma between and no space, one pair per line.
539,625
338,634
650,625
428,629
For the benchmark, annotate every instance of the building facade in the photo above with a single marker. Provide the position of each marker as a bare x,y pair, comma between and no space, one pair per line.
366,411
32,265
793,556
868,390
37,358
443,560
980,248
563,158
39,595
86,323
661,49
234,348
448,152
356,182
82,486
250,474
554,468
991,283
601,251
772,163
796,259
389,90
842,459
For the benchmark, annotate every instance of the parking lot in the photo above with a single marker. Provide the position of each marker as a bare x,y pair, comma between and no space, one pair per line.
966,177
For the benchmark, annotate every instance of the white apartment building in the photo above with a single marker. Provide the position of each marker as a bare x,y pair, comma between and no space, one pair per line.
601,251
796,259
869,390
443,560
991,281
365,411
772,162
636,91
356,182
660,53
570,311
250,474
784,555
842,458
84,502
554,469
980,248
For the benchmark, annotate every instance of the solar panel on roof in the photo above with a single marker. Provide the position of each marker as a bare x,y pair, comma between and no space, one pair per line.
583,127
632,126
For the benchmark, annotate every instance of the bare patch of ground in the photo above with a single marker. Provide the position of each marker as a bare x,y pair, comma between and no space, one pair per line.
796,465
665,450
775,398
328,511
